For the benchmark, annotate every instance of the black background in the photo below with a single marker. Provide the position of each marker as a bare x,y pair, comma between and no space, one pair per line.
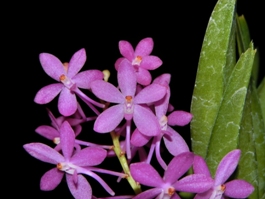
176,28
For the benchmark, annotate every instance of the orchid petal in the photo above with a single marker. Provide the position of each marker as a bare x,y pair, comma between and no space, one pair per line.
67,139
47,132
227,166
80,190
118,62
138,139
107,92
238,189
43,153
127,78
151,62
51,65
175,144
85,78
48,93
151,93
179,118
196,183
200,166
89,156
51,179
67,102
145,121
145,174
144,47
143,76
178,166
109,119
126,50
163,79
76,62
149,194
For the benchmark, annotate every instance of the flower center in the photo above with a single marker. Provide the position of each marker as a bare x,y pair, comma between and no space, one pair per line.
218,192
56,140
65,66
137,60
128,108
67,82
68,168
171,191
163,122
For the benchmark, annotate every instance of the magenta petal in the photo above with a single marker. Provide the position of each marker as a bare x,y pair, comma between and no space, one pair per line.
109,119
126,50
196,183
81,189
145,174
238,189
179,118
163,79
47,132
107,92
67,139
85,78
178,166
175,143
76,63
89,156
145,121
51,179
127,78
227,166
150,94
151,62
51,65
149,194
138,139
206,194
48,93
43,153
144,47
67,102
143,76
118,62
200,166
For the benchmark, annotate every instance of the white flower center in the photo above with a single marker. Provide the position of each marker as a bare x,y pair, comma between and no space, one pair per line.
67,167
163,123
68,83
128,106
137,60
218,192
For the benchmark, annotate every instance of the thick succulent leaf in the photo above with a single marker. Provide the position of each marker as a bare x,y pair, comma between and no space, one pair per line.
247,167
213,64
225,132
259,137
261,95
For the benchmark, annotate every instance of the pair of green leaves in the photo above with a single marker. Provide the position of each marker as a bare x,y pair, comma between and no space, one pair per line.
228,109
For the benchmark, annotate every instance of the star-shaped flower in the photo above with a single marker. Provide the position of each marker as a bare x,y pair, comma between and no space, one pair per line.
72,163
129,105
221,188
70,82
140,59
166,187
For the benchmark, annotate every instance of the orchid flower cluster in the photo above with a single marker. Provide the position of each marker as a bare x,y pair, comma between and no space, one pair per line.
227,121
138,115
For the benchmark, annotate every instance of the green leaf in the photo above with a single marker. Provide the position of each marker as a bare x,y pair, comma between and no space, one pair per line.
261,95
259,137
215,66
243,43
243,37
247,167
224,137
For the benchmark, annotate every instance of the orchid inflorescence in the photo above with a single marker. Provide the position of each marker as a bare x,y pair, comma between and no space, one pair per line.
138,115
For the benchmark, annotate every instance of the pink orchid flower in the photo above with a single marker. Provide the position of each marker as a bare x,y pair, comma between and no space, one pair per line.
70,82
222,189
71,163
140,59
129,104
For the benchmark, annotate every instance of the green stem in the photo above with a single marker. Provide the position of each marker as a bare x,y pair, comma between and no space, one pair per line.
123,161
